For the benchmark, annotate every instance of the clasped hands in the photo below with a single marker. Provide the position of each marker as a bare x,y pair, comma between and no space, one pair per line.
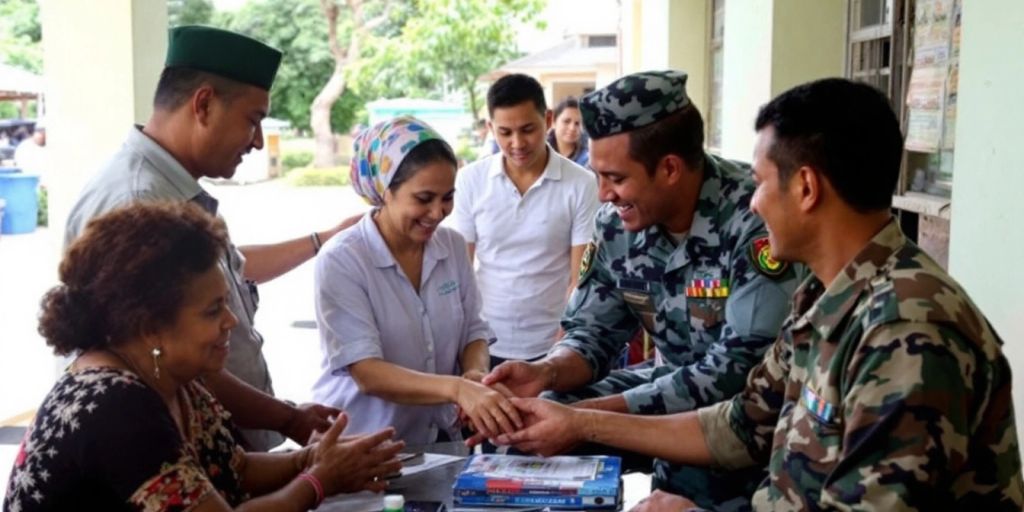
533,425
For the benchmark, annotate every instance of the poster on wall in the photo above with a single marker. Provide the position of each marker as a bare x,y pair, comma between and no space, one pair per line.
930,79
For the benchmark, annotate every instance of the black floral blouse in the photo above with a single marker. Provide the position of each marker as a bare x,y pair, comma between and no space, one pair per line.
103,440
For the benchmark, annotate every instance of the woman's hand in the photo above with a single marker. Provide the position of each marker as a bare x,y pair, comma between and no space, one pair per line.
354,463
488,409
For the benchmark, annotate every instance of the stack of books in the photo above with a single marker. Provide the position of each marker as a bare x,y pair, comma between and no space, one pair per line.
567,482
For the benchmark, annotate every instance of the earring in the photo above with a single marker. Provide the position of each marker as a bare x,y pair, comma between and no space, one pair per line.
156,362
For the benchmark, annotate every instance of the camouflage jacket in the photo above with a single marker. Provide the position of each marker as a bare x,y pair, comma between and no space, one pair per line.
886,391
708,340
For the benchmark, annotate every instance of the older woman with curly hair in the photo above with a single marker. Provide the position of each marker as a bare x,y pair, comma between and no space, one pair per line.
130,426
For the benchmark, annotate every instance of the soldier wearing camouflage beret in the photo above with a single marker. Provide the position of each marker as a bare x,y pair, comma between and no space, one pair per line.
676,252
887,388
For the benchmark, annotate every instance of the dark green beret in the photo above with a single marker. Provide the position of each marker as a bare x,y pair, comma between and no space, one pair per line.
223,53
632,102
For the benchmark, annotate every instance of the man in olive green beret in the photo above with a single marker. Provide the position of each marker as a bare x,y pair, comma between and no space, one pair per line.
211,97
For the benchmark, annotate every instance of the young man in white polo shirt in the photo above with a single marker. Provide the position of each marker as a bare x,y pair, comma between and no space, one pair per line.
527,214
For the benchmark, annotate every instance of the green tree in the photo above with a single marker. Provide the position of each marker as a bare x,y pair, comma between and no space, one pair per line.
21,34
296,27
20,44
349,24
448,44
189,12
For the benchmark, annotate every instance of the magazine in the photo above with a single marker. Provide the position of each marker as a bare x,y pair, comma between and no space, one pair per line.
571,482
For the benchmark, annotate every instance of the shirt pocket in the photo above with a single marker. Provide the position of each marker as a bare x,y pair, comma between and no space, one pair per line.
706,293
814,442
642,299
450,294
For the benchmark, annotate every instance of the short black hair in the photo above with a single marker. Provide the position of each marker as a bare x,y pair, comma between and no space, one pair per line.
177,84
846,130
511,90
569,102
425,153
680,133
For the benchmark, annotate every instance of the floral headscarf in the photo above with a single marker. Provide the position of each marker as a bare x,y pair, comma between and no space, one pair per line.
378,151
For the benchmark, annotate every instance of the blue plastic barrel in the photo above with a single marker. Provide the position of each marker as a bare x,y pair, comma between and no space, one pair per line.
20,213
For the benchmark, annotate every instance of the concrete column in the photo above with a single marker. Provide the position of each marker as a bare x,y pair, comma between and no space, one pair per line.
631,37
985,245
770,46
102,59
668,34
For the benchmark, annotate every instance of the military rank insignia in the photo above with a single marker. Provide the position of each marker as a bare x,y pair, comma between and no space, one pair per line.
587,261
717,288
818,407
761,257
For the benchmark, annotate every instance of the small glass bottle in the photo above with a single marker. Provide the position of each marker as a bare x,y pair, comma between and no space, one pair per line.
394,503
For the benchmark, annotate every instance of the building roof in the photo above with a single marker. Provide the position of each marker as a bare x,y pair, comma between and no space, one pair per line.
568,55
17,83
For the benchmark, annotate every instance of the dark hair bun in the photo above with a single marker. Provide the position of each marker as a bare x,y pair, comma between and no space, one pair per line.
67,322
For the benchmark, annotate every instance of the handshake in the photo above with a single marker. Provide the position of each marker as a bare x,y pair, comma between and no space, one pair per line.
501,406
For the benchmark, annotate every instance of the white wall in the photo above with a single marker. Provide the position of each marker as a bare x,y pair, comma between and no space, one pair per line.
102,59
986,241
667,34
771,46
746,73
655,35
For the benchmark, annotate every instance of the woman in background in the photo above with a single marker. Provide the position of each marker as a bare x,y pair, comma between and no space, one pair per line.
397,305
567,136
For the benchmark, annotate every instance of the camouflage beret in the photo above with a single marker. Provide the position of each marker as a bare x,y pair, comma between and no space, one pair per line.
223,53
632,102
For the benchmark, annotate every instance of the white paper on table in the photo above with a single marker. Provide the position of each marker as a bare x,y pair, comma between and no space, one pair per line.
430,461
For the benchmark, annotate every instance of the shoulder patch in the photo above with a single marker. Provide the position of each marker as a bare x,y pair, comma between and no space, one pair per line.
587,262
761,258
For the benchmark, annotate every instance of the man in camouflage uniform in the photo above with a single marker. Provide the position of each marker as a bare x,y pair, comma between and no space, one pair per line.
887,388
676,251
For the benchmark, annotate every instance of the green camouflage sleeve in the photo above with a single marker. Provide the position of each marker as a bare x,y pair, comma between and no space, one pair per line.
754,312
924,411
597,321
739,431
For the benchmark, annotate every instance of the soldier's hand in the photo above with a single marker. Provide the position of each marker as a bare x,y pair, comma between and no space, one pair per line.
551,428
522,378
613,403
488,409
661,501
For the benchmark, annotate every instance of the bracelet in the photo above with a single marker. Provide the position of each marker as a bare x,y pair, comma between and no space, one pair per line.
318,487
315,238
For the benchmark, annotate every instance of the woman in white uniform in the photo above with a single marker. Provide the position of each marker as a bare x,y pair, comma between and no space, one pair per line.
398,309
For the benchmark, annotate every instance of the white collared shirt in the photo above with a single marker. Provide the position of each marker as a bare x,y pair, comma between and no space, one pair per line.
523,244
367,308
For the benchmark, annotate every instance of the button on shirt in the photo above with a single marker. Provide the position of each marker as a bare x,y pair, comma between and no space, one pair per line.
142,170
522,246
367,308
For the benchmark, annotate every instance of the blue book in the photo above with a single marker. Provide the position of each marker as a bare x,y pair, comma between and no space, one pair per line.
570,482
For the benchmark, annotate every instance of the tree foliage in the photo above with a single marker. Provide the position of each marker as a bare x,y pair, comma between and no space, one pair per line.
21,34
446,45
189,12
297,28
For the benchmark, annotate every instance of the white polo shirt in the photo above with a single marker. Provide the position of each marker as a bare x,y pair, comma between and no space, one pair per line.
522,246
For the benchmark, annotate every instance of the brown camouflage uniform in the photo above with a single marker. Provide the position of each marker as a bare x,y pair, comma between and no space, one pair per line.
886,391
